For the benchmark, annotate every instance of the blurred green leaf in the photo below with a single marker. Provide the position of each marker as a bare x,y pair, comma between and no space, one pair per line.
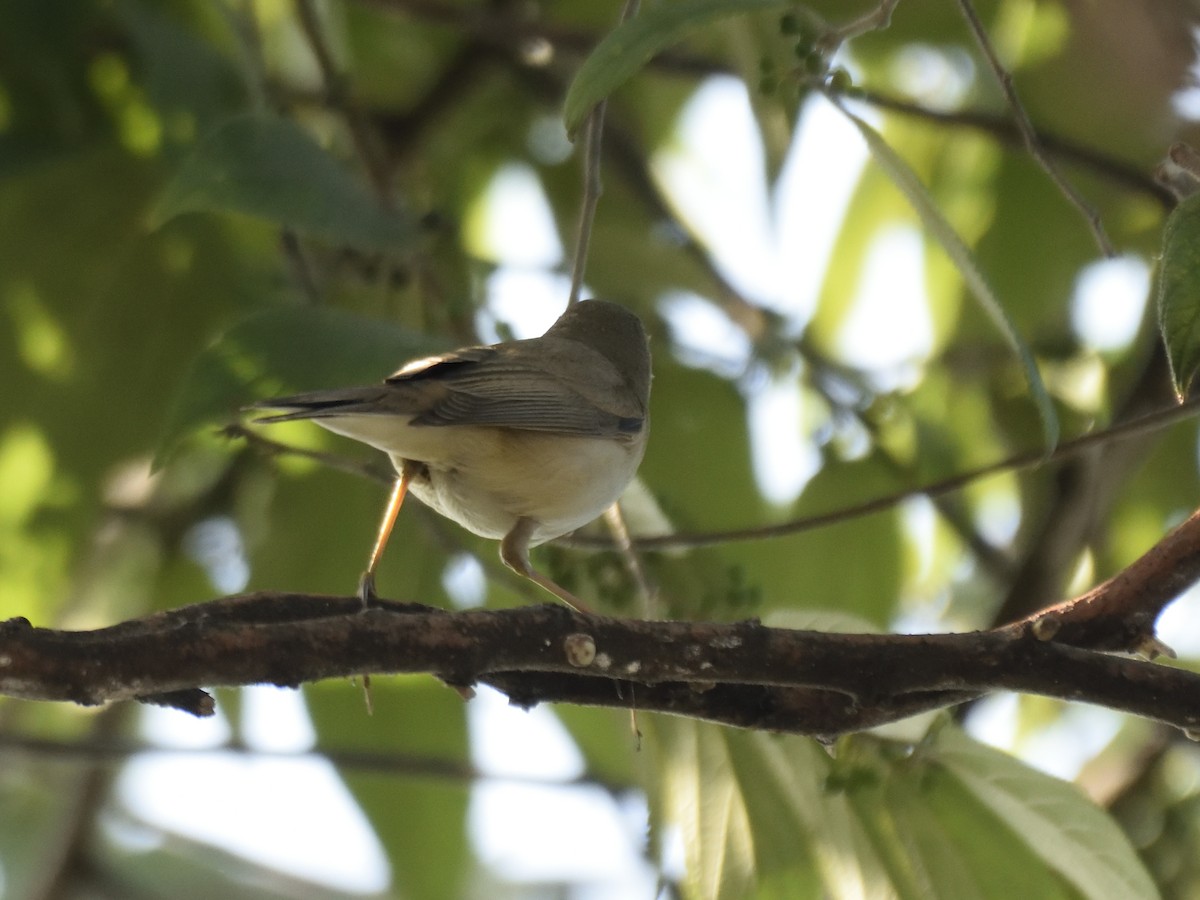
632,44
287,348
1179,293
955,819
794,570
906,180
412,811
272,168
1056,822
190,81
700,796
967,851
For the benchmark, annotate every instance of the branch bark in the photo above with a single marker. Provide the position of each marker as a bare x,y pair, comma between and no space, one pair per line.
742,673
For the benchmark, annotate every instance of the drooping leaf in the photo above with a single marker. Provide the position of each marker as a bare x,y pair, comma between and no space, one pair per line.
273,169
632,44
955,818
910,185
966,849
1058,824
1179,293
291,348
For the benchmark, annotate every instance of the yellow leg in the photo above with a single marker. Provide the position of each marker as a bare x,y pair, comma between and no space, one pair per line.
366,584
514,551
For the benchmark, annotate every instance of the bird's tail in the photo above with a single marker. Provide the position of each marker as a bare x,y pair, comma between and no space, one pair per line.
355,401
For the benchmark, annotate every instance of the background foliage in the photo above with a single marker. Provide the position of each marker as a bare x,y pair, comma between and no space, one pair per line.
206,203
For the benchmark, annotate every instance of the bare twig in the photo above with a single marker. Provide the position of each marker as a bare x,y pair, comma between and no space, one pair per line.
1027,460
1150,422
298,262
366,470
614,517
336,86
1119,172
1029,133
593,187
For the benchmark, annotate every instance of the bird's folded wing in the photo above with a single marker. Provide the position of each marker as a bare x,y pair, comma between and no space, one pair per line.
524,390
540,406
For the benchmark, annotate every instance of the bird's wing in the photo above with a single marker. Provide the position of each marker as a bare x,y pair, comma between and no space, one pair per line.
520,386
480,386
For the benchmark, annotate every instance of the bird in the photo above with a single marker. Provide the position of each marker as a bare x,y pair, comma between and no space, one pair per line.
521,441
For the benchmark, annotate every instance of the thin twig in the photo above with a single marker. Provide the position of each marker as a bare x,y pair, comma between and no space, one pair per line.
1002,128
340,97
366,470
1027,460
298,262
614,517
1029,133
593,187
244,24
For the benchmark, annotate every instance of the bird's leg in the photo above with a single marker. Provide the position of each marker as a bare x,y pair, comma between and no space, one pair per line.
514,551
366,584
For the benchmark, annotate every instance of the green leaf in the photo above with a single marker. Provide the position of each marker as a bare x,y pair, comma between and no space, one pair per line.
1054,819
420,819
271,168
954,819
1179,293
906,180
293,348
964,847
632,44
700,795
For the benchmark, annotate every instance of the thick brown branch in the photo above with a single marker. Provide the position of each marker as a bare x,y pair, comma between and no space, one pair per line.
1120,613
743,673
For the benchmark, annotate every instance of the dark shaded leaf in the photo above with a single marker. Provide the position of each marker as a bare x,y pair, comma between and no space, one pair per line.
1179,293
272,168
284,349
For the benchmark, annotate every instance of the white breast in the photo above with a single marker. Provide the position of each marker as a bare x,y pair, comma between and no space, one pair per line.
487,478
491,478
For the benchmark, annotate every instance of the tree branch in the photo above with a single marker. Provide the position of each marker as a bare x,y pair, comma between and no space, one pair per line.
740,674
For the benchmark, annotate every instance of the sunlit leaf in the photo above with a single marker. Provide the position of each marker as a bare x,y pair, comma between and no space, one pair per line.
906,180
966,849
701,797
272,168
632,44
1058,824
1179,292
954,819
